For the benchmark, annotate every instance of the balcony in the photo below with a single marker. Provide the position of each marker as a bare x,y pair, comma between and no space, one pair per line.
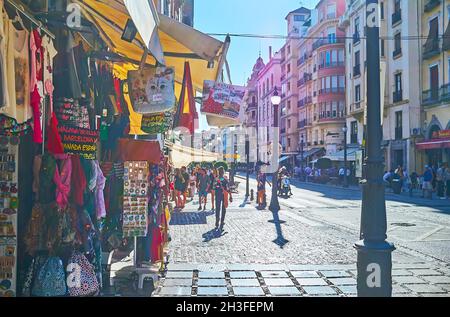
306,77
355,108
436,96
397,52
396,17
331,116
302,60
431,48
356,70
431,4
353,138
334,90
356,38
302,124
283,131
331,65
322,42
397,96
304,102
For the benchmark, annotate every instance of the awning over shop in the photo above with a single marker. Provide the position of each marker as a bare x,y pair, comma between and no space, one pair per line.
310,153
183,156
339,156
434,145
179,42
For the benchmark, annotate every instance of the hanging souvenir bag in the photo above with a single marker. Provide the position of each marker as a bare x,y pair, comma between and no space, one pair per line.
36,263
51,279
82,280
47,189
152,89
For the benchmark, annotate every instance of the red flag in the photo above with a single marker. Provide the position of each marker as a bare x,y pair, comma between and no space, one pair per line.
187,115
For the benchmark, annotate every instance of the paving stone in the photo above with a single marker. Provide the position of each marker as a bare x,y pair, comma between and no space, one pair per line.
319,290
398,289
312,282
179,274
434,295
343,281
408,280
333,274
211,274
278,282
248,291
175,291
177,282
445,286
437,279
401,272
424,288
348,289
284,291
212,291
272,274
305,274
425,272
242,274
212,282
245,282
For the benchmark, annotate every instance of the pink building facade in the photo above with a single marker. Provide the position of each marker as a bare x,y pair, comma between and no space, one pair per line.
321,82
268,78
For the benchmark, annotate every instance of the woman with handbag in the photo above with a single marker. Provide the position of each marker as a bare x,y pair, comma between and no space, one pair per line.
223,194
179,189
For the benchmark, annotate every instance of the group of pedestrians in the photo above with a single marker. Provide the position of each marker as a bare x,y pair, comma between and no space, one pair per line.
435,179
202,182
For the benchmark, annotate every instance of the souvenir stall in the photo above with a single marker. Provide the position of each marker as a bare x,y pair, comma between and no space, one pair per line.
76,184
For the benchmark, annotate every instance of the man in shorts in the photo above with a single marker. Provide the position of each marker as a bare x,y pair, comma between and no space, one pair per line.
203,182
427,187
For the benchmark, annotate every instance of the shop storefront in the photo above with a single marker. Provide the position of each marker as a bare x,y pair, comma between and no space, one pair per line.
437,149
76,183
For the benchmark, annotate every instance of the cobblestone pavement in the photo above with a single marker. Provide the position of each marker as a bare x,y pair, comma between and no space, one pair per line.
297,253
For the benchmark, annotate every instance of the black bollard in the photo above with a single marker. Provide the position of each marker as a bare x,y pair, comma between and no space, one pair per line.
252,195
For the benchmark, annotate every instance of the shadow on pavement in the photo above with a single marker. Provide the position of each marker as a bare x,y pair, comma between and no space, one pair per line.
280,240
213,234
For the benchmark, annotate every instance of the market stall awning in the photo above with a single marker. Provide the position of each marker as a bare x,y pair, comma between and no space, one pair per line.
179,42
182,156
314,151
434,145
339,156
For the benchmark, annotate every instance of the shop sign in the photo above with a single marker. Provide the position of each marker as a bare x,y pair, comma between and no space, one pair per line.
79,141
222,100
443,134
157,123
152,89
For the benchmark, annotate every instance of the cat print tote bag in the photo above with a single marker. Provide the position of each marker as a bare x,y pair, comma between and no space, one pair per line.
152,89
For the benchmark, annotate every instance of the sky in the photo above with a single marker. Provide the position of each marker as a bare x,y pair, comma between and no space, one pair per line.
266,17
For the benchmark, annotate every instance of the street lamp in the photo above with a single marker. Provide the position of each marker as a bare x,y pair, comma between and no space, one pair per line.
274,204
345,129
302,145
374,260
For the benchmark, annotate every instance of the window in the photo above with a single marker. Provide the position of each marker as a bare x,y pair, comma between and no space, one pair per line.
289,124
354,132
357,26
299,18
398,94
331,31
397,5
289,105
382,10
289,142
289,68
331,11
398,44
357,58
399,125
382,48
357,93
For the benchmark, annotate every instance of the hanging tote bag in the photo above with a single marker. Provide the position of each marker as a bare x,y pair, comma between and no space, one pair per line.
152,89
82,281
51,279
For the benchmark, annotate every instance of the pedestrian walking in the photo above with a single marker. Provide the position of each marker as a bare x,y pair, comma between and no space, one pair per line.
186,183
179,187
203,182
447,179
222,193
440,182
427,187
192,184
261,191
212,176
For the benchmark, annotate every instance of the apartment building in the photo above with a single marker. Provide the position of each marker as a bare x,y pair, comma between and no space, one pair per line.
321,81
180,10
268,78
434,147
251,111
289,77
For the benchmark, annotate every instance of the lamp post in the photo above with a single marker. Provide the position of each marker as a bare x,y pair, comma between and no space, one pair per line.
374,260
274,204
302,145
345,129
247,161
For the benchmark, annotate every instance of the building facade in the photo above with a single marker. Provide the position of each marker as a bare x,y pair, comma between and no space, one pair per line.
321,82
296,27
434,147
268,78
251,102
180,10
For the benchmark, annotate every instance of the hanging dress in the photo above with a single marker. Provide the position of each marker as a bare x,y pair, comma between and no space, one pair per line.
3,64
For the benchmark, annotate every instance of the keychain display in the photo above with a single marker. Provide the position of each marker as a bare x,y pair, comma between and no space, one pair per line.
135,199
9,204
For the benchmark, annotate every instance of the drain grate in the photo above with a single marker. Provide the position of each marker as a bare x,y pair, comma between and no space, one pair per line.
403,224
